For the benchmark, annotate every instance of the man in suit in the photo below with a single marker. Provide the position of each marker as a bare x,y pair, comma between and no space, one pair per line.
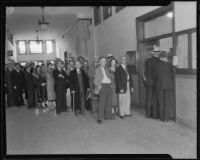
30,87
151,66
60,87
102,82
164,87
8,84
124,88
79,85
18,85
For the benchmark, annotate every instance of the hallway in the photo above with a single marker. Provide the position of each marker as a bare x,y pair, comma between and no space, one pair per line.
45,133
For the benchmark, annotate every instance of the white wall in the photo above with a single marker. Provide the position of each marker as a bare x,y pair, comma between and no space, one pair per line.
186,97
117,34
185,15
67,43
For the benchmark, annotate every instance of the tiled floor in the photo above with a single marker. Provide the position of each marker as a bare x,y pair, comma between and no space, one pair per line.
32,132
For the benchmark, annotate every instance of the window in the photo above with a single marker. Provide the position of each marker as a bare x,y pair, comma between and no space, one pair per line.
49,46
21,47
35,47
107,12
119,8
158,26
182,51
194,50
186,50
97,15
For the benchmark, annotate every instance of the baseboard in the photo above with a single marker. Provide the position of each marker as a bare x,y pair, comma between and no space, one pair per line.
186,123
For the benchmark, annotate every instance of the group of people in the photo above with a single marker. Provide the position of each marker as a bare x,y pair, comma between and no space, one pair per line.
105,87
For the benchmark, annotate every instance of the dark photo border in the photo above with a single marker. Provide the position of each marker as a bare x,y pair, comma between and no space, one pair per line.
7,3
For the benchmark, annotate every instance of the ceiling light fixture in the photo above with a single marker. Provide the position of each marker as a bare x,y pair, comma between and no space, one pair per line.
43,25
37,37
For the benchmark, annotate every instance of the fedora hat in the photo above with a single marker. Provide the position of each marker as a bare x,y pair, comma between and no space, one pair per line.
156,48
109,55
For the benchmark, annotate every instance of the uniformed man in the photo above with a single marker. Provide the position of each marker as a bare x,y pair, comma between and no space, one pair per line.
150,76
164,87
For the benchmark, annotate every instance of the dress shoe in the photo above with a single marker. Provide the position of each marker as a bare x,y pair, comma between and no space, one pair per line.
128,115
58,113
99,121
122,117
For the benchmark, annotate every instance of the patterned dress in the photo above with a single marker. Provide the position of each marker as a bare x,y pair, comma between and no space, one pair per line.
114,94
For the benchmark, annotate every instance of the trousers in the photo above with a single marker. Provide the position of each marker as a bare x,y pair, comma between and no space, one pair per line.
105,101
125,102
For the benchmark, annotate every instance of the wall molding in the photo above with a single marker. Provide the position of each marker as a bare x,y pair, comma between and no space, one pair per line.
186,123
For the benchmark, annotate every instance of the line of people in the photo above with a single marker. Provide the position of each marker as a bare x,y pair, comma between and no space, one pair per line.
104,88
94,88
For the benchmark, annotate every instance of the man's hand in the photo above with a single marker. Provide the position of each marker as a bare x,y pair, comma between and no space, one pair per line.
60,75
43,84
121,91
72,91
15,87
88,89
132,90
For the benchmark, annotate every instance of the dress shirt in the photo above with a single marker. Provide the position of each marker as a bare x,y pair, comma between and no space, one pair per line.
105,77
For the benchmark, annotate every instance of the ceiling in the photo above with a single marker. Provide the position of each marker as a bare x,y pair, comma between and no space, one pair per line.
23,22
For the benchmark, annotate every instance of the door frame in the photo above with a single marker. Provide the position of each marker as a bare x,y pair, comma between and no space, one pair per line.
141,40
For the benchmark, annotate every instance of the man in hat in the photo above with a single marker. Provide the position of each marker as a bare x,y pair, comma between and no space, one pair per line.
150,77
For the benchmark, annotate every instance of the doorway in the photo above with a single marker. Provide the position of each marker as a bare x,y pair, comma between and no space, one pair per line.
154,28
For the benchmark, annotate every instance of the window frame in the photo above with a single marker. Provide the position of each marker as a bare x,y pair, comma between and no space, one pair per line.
189,69
29,44
17,47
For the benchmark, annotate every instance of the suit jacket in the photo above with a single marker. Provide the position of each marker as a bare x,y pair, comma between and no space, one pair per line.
98,77
151,67
17,79
164,76
74,83
60,84
121,79
29,81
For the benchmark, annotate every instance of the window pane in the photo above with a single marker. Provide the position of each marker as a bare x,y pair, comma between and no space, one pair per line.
166,44
158,26
194,50
107,12
36,46
118,8
22,47
182,51
49,46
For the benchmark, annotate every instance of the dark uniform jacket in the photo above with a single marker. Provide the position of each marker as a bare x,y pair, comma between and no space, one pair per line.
60,83
164,76
153,65
74,83
121,79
